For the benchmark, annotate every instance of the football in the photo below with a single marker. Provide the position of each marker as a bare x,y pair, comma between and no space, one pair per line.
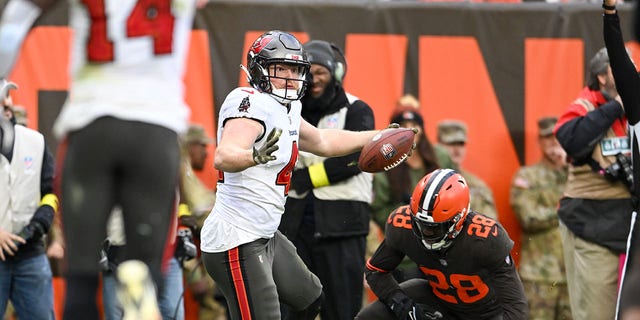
386,150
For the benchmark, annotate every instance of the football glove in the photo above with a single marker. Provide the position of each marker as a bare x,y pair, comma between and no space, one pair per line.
421,311
263,155
404,308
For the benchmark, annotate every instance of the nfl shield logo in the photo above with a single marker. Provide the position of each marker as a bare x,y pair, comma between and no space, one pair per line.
28,162
388,151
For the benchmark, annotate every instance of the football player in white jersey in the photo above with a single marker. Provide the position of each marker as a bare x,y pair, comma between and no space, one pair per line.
260,131
119,128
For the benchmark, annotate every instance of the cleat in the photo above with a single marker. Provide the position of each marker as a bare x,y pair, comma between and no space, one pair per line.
136,291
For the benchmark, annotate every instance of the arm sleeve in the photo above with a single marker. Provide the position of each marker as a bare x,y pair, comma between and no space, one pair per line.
378,271
46,212
17,18
510,291
580,134
47,174
624,72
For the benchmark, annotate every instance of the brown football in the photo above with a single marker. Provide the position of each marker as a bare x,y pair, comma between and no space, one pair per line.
386,150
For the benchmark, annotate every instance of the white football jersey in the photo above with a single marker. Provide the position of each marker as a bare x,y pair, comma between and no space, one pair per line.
250,203
127,61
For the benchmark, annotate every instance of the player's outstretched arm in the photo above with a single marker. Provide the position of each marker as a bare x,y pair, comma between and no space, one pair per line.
333,142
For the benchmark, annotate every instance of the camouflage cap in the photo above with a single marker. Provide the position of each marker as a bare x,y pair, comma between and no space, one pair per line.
196,134
546,126
452,131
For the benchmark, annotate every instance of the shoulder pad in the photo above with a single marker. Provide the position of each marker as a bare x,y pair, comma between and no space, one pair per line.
488,233
400,218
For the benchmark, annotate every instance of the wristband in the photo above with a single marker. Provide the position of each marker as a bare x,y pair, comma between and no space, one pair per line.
183,210
51,200
318,175
608,7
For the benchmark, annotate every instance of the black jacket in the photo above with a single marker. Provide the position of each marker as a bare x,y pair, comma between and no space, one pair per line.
336,218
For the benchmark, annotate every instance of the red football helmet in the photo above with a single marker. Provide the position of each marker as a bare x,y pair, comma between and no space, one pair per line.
439,206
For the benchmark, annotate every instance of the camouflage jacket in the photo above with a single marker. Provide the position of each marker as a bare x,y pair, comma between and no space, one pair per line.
535,193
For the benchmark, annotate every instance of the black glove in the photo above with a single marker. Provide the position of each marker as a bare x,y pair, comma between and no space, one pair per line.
185,249
400,304
38,226
404,308
421,311
301,181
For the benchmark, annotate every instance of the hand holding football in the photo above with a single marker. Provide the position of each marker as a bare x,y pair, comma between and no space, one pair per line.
386,150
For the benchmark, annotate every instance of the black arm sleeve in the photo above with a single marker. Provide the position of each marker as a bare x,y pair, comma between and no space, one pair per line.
580,135
510,291
378,271
624,72
627,83
47,174
359,118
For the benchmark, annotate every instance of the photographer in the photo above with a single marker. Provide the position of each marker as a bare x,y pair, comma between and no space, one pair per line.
27,208
170,297
596,206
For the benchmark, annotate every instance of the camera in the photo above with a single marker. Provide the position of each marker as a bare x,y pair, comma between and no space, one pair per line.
621,170
32,231
39,224
104,262
185,249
